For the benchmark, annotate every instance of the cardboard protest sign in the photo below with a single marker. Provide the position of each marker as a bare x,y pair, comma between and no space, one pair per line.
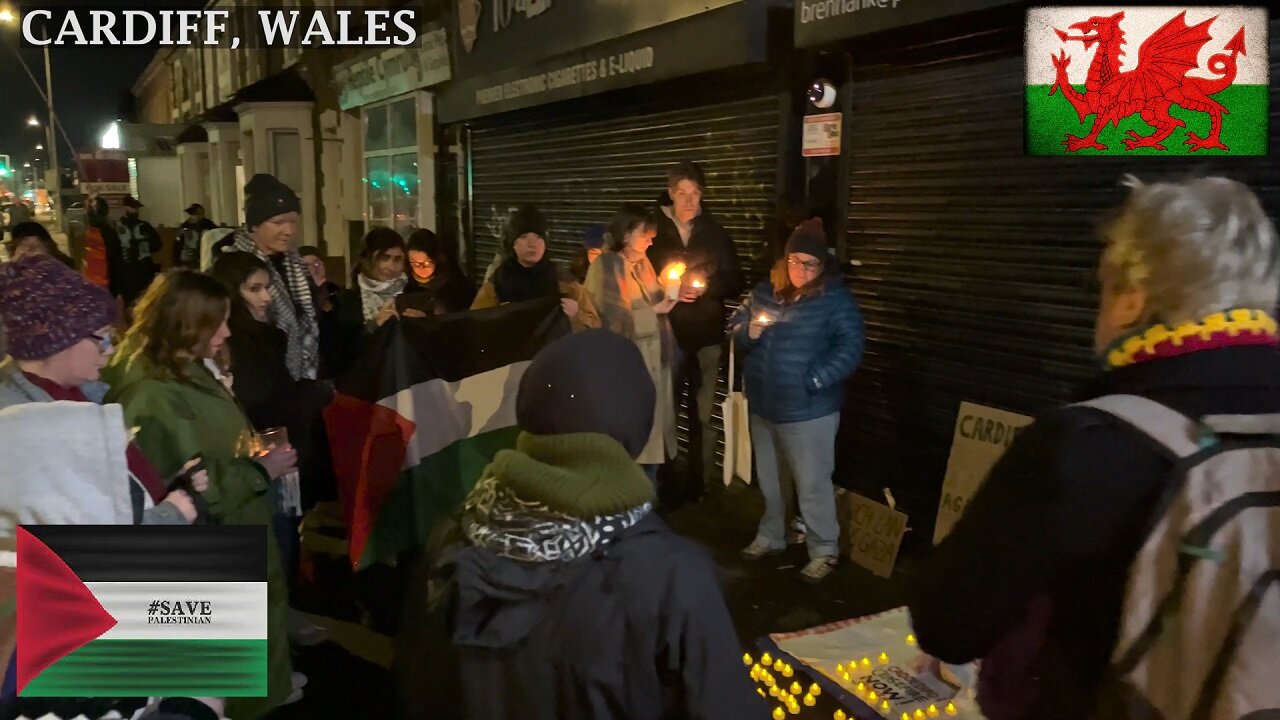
981,437
872,532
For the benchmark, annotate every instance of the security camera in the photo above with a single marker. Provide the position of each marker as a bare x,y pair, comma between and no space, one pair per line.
822,94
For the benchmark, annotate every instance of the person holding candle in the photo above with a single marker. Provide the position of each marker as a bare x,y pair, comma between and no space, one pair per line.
526,273
802,334
692,242
633,304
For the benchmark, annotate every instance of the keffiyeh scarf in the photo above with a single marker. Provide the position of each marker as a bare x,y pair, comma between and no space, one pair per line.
495,519
291,308
374,294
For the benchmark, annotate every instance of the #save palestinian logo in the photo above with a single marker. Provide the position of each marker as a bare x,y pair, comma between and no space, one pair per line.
1113,80
141,611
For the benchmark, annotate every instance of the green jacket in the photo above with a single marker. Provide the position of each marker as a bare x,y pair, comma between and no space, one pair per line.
177,418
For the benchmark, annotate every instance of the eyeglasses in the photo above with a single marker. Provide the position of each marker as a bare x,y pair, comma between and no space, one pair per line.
808,265
425,265
316,265
105,342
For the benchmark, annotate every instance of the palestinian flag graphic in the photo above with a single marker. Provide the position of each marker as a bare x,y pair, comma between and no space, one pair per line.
1118,80
421,415
142,610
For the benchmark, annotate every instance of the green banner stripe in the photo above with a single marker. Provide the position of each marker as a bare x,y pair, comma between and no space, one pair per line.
1050,118
431,491
143,668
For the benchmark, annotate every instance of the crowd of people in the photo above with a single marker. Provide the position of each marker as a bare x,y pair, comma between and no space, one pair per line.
556,590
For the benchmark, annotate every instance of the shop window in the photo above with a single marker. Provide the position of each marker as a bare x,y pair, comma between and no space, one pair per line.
286,157
391,164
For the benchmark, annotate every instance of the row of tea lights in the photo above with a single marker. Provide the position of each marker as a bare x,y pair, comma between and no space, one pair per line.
760,673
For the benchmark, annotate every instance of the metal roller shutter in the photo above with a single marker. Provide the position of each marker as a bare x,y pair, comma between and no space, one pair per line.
974,264
579,161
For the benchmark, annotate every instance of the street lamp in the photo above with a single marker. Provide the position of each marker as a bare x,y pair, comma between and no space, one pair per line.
8,17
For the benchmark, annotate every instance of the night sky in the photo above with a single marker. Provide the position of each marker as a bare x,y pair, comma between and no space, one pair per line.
87,85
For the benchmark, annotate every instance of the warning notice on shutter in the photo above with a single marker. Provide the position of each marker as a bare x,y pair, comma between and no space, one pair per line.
982,435
822,135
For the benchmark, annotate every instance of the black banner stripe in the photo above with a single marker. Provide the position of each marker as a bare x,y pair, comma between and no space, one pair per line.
410,351
159,553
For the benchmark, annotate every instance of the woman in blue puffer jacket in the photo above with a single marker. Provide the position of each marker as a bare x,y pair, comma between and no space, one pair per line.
802,334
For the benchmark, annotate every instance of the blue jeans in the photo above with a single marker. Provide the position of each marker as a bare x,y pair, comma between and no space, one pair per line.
798,457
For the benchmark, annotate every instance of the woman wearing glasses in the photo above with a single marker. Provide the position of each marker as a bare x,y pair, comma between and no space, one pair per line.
802,334
59,337
435,272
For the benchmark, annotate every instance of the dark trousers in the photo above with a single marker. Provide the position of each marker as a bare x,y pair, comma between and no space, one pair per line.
701,371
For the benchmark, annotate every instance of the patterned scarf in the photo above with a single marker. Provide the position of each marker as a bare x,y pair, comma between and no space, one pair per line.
292,309
495,519
1225,329
626,286
376,293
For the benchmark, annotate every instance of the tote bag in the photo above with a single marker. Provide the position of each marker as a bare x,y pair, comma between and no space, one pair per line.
737,428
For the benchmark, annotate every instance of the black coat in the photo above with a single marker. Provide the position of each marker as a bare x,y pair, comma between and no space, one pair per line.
1055,527
639,632
448,291
711,254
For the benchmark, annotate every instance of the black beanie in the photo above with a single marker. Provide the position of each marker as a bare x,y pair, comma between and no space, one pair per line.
589,382
526,220
809,238
266,197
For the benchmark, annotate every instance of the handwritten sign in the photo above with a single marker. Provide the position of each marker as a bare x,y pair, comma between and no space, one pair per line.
982,435
873,533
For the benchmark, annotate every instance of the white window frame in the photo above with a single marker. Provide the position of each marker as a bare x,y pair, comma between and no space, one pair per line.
415,97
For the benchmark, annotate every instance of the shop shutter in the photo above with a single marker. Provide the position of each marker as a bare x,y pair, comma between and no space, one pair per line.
974,264
579,161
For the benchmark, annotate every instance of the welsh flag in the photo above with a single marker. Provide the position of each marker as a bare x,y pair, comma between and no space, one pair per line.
421,415
1116,80
141,610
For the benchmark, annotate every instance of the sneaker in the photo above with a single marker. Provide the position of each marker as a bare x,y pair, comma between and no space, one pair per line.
758,549
796,533
818,569
304,632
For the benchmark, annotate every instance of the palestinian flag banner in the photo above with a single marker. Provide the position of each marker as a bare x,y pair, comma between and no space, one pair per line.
1117,80
423,412
142,610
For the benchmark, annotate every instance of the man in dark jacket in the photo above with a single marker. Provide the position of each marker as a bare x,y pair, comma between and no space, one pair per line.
568,598
1032,579
137,241
688,234
186,247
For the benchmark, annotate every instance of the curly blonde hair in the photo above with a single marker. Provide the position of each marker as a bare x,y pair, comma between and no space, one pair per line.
1196,247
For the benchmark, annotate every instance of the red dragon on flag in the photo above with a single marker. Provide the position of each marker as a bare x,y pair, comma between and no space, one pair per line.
1158,82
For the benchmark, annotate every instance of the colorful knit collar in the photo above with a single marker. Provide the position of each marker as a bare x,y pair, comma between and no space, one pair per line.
1232,328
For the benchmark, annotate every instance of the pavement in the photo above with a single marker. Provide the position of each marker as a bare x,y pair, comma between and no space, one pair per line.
350,677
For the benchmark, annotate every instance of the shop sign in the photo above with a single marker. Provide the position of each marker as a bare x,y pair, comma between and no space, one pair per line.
496,35
822,135
824,21
394,71
722,38
982,435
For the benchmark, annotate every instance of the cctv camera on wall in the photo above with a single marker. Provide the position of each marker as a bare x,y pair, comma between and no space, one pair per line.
822,94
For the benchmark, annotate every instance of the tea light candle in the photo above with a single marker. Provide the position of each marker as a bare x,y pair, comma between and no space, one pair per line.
766,660
814,690
779,713
884,706
787,671
809,701
951,709
746,659
933,711
839,716
796,689
884,658
911,640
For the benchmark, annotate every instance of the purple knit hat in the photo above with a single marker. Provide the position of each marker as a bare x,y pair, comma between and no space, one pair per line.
47,307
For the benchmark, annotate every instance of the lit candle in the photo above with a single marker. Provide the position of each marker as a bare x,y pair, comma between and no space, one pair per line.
919,714
761,691
862,687
933,711
779,713
951,709
809,701
839,716
763,319
787,671
794,708
911,639
906,716
746,659
796,689
766,660
885,706
839,668
846,677
814,690
866,663
884,658
777,666
773,691
872,696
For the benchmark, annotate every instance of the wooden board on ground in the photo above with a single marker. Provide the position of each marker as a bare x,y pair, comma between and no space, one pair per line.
981,437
